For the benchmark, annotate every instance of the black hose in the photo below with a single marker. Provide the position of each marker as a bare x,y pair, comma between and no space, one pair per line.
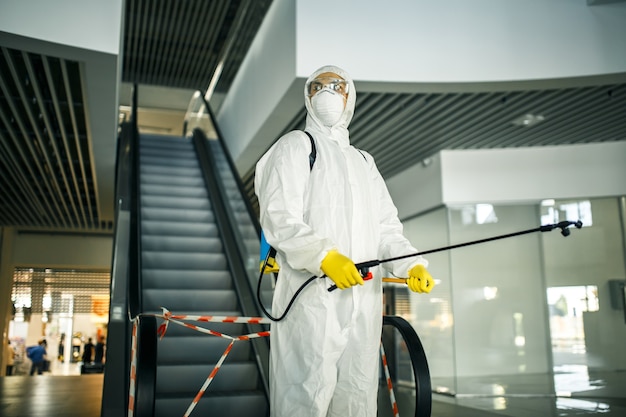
258,292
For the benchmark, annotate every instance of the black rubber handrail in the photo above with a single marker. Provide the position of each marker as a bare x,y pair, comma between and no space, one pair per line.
145,375
134,250
116,377
421,373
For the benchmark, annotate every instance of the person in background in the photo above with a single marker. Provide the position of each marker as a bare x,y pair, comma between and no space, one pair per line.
88,351
99,349
61,349
10,355
324,359
37,355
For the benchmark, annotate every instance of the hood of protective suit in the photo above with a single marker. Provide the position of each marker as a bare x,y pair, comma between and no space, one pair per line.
339,131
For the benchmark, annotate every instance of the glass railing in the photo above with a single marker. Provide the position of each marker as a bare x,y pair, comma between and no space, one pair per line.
244,218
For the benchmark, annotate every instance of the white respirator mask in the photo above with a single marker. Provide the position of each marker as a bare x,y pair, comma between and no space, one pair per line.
328,107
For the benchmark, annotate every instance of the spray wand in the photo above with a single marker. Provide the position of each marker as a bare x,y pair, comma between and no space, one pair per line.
364,267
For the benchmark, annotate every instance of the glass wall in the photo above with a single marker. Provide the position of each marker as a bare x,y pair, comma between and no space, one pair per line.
536,305
431,315
588,332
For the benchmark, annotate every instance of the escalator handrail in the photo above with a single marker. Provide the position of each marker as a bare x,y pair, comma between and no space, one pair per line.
134,281
419,363
116,379
146,360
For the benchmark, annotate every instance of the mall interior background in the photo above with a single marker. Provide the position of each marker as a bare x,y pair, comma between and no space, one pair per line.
540,304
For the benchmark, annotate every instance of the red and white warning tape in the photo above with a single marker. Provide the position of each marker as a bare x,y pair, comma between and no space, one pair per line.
133,371
168,317
392,397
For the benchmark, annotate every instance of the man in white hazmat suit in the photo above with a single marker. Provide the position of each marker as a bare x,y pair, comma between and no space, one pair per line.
325,353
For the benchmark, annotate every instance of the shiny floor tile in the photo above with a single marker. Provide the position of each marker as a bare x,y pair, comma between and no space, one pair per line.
514,396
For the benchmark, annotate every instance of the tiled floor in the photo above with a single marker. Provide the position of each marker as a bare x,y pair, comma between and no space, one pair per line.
579,393
602,394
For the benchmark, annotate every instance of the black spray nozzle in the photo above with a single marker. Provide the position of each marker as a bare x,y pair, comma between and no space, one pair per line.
564,226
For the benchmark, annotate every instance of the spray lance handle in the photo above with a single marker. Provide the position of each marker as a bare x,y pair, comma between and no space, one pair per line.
364,270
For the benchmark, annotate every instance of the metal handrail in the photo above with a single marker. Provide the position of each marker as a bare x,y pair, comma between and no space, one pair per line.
134,282
419,363
146,366
116,377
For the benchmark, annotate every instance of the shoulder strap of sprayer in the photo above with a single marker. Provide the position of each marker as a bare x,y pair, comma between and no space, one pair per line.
313,153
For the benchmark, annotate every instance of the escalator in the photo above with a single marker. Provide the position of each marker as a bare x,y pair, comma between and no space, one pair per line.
186,268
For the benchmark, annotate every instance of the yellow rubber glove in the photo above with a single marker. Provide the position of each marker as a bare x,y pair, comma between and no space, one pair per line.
341,270
420,280
272,266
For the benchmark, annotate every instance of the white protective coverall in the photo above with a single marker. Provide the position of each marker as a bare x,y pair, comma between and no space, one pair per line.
324,357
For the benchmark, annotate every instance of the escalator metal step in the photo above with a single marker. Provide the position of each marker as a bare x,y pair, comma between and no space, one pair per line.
184,261
186,280
190,300
206,349
187,379
253,404
177,215
191,203
162,228
152,243
172,180
178,171
172,191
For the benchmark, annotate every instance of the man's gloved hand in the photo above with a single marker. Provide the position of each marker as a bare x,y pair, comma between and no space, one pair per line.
420,280
341,270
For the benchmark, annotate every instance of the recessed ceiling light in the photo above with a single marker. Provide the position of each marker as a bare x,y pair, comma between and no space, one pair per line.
528,120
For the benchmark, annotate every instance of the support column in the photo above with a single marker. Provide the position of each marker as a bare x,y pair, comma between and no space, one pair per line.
7,236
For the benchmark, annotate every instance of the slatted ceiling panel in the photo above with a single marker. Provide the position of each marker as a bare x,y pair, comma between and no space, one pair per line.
404,135
44,149
401,129
181,44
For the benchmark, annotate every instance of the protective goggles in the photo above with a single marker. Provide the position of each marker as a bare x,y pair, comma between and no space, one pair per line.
327,83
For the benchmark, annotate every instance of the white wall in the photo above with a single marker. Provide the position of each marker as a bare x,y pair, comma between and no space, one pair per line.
532,174
454,41
404,187
415,46
511,175
263,86
93,25
62,251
